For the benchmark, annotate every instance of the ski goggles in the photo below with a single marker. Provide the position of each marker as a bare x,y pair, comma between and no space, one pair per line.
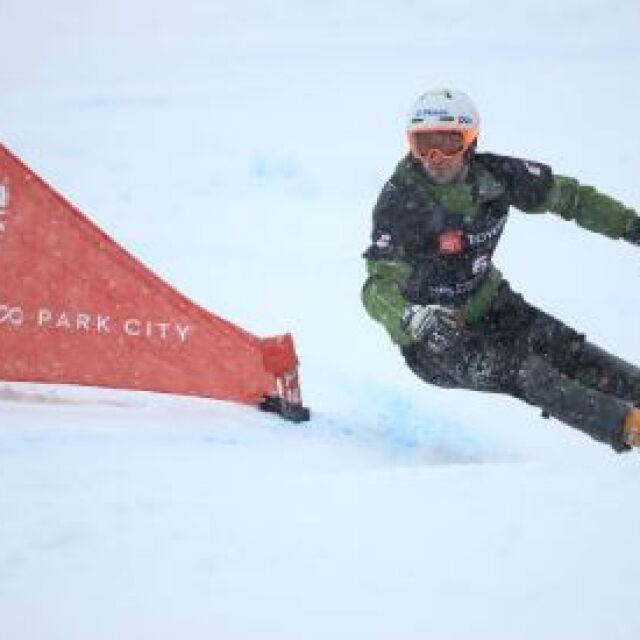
438,144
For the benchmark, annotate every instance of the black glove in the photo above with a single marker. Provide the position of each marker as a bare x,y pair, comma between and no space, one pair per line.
436,326
632,234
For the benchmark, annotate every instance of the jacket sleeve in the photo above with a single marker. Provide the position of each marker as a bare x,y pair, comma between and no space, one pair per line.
388,267
382,296
532,187
591,209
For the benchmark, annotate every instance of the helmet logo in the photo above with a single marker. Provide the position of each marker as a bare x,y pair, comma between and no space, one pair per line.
423,113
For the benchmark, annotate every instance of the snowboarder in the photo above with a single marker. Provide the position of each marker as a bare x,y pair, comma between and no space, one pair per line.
432,284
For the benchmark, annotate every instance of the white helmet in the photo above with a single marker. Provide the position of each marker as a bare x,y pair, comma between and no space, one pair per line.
444,110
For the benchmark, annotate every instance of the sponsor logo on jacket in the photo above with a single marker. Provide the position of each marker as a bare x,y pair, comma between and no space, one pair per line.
451,242
475,239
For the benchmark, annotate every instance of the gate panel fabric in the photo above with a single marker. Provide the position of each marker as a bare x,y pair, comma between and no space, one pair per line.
77,308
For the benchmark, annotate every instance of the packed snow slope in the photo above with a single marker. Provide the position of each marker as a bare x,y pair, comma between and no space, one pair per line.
237,148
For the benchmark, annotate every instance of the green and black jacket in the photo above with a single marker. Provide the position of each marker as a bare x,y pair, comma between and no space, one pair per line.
433,244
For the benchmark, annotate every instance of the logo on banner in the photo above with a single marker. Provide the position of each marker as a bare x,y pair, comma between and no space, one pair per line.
45,319
13,316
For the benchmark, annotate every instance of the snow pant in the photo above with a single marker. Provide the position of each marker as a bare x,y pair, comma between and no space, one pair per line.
519,350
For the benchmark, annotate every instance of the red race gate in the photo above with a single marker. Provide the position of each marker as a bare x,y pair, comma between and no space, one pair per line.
76,308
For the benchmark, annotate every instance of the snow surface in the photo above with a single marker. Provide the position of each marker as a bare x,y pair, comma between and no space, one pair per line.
237,148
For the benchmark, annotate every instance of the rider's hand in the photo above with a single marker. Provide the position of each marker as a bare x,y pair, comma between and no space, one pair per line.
435,325
632,234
